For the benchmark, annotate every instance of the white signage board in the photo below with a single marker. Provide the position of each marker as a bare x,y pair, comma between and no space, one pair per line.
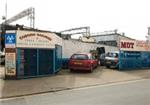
10,64
34,39
134,45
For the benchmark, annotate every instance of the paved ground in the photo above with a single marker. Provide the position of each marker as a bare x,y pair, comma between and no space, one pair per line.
125,93
65,80
1,71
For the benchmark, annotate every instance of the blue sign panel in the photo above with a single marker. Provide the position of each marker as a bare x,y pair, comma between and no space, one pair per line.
10,38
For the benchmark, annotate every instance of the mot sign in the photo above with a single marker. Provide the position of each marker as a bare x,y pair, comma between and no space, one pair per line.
134,45
127,45
10,40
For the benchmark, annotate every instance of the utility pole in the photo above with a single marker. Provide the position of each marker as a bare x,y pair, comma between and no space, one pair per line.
2,28
6,10
148,36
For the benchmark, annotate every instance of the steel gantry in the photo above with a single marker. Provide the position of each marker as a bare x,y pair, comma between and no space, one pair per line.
30,12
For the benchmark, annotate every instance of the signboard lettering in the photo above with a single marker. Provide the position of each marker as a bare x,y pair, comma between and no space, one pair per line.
134,45
26,35
36,39
127,45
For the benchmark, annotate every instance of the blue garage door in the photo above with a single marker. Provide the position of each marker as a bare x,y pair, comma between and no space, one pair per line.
30,62
34,62
45,62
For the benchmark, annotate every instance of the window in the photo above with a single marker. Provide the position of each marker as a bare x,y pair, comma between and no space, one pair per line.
79,57
110,54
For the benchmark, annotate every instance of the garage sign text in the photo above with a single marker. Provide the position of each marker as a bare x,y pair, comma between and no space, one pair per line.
127,45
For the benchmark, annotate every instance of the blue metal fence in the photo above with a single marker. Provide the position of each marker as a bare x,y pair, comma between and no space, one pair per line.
133,59
145,57
45,62
58,57
65,62
38,62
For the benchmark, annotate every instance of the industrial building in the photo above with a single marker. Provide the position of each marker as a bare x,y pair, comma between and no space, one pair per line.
110,38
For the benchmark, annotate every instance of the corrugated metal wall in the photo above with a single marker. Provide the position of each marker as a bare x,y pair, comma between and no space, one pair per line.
58,57
145,57
134,60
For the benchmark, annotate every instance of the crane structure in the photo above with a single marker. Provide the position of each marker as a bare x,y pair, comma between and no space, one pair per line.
30,12
85,31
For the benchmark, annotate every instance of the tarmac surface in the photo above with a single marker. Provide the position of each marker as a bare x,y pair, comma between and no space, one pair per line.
65,80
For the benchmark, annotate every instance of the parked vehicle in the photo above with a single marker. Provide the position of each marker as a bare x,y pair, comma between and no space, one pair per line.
83,61
2,57
102,59
111,59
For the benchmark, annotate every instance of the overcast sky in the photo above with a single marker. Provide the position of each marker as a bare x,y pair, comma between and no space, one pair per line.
129,16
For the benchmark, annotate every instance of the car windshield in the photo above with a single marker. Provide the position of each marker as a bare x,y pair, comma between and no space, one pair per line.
110,54
79,57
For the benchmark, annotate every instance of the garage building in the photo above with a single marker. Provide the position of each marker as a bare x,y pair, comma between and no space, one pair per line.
32,53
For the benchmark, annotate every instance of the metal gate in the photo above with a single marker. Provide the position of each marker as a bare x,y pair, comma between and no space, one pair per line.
45,62
58,57
34,62
145,57
30,62
129,60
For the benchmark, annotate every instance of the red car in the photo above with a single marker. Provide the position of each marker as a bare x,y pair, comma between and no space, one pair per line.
82,61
